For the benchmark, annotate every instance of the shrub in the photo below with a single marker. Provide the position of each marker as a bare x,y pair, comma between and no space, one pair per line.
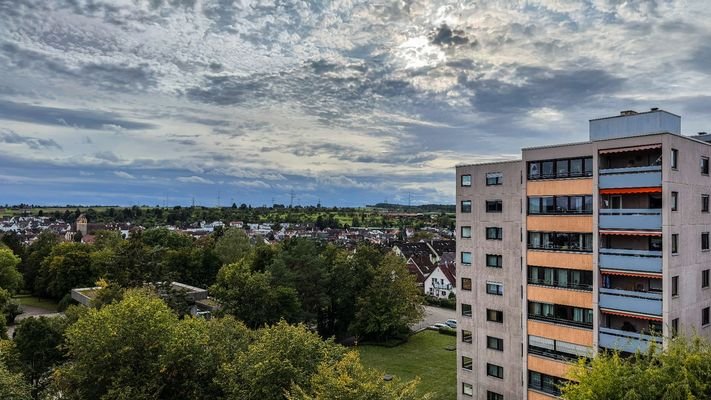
448,331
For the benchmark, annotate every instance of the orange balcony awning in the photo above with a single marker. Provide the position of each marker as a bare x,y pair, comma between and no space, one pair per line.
657,189
631,148
633,315
631,233
634,274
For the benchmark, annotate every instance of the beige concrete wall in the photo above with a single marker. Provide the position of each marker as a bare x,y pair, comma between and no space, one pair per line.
560,223
583,337
550,187
548,366
510,303
557,259
573,298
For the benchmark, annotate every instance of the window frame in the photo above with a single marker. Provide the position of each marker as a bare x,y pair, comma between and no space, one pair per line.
705,316
498,230
461,232
467,288
494,343
461,258
497,178
494,206
493,395
498,371
705,241
471,312
468,386
704,203
462,180
675,286
465,208
499,288
674,161
498,314
675,201
705,278
704,165
560,168
499,261
470,335
467,361
674,243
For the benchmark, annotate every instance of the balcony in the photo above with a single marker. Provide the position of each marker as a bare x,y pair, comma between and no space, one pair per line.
634,177
631,218
631,260
629,342
643,303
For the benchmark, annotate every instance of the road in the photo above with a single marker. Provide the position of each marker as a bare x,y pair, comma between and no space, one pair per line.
28,312
434,315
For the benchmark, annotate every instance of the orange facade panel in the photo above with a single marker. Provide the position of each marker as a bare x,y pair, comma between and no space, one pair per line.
560,223
583,337
559,259
574,298
548,366
533,395
579,186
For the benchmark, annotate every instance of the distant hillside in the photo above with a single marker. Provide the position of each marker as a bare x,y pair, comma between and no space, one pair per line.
423,208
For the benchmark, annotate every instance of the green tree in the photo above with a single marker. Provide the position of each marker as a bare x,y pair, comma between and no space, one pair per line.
349,379
68,266
391,303
281,356
232,246
13,385
35,254
252,297
682,371
10,277
38,342
115,351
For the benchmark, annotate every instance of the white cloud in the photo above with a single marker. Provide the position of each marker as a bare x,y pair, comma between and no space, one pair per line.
124,175
194,179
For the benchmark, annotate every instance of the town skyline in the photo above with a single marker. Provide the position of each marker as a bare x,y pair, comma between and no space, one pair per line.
345,103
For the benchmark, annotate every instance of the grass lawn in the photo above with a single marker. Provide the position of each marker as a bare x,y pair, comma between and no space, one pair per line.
47,304
424,355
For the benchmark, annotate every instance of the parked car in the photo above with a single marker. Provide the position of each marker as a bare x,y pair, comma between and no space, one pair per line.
452,323
438,325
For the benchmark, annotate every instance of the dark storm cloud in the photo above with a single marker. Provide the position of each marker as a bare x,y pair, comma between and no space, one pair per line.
11,137
541,88
445,36
85,119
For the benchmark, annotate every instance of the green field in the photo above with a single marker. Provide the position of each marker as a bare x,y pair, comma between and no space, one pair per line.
424,355
47,304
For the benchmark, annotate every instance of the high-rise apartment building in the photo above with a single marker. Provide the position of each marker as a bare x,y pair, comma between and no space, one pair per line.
579,247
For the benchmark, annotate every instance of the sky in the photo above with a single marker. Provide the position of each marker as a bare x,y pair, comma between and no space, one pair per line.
346,102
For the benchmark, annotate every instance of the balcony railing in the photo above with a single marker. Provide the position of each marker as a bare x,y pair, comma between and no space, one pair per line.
630,301
631,260
614,178
553,354
631,218
563,285
629,342
562,321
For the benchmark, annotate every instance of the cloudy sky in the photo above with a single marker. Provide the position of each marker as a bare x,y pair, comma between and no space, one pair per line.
347,101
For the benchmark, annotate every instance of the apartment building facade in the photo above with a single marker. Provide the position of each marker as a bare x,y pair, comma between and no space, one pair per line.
613,245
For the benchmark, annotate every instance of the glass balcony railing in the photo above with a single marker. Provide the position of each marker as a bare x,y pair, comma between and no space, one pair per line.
630,342
645,303
631,218
631,260
615,178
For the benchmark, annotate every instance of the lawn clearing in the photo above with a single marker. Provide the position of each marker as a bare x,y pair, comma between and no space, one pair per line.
46,304
424,355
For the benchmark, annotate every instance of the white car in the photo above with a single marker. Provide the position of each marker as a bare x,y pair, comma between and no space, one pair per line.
452,323
438,325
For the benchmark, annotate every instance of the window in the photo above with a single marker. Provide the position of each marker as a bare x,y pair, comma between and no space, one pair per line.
466,180
705,278
704,241
495,343
494,260
494,206
674,158
494,178
466,284
561,168
567,315
705,316
467,389
674,201
495,288
560,205
705,165
560,277
494,396
675,243
466,232
466,336
545,383
495,370
493,233
467,363
494,315
675,327
560,241
466,310
704,203
466,258
557,349
466,206
675,285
